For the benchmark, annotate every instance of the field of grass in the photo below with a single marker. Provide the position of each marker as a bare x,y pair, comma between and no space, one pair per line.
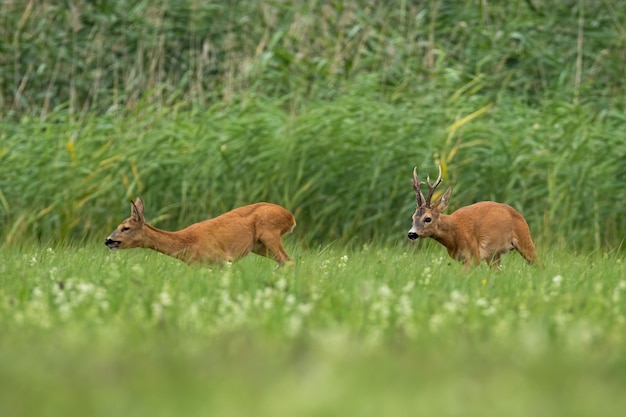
368,331
324,108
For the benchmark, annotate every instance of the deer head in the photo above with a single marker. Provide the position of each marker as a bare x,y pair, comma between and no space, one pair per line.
427,214
129,233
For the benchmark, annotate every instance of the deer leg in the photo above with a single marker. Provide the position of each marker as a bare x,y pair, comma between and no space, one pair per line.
476,253
260,249
272,248
469,257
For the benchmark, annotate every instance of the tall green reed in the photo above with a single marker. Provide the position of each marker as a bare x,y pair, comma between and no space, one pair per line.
343,166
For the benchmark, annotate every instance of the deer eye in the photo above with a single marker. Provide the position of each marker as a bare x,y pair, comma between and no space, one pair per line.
125,229
427,219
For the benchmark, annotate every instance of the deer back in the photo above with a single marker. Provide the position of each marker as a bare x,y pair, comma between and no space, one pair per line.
235,233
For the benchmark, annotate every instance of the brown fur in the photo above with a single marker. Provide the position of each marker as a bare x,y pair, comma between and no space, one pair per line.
256,228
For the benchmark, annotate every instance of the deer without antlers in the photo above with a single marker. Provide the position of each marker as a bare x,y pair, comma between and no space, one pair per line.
481,231
256,228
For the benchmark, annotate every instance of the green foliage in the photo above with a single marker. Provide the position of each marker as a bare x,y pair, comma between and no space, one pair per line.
98,55
389,331
343,167
324,108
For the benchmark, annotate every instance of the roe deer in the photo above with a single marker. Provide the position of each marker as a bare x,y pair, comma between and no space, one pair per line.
255,228
483,230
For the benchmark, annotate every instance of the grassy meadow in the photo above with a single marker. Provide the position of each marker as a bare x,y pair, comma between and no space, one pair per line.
324,108
364,331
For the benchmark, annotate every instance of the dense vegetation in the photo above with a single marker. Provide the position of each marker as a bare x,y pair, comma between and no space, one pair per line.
322,107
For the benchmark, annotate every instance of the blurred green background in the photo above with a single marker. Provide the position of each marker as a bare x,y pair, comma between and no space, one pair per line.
323,107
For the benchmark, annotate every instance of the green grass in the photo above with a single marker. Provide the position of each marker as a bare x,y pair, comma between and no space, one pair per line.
367,331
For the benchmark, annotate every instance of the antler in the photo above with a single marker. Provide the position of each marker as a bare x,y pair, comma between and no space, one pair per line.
432,188
421,201
418,192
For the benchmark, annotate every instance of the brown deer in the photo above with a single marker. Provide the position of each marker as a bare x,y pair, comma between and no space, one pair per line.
484,230
255,228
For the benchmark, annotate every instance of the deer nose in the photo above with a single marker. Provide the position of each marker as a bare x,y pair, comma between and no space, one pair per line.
413,235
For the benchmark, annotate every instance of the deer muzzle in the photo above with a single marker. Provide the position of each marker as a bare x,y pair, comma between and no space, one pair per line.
112,244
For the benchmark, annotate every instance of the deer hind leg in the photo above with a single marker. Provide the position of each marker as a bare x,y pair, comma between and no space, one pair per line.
271,247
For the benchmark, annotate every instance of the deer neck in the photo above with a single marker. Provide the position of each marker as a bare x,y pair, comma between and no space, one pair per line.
446,232
174,244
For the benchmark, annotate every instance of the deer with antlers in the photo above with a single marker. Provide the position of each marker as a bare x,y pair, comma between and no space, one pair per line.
256,228
481,231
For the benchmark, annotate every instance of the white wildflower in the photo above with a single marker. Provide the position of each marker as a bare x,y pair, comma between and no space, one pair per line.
305,309
435,322
281,285
456,303
403,307
408,287
458,297
450,307
560,319
290,300
385,292
85,288
100,294
427,271
164,299
64,311
481,302
489,311
103,304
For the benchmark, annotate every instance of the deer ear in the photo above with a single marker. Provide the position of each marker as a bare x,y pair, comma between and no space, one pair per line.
442,202
136,210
